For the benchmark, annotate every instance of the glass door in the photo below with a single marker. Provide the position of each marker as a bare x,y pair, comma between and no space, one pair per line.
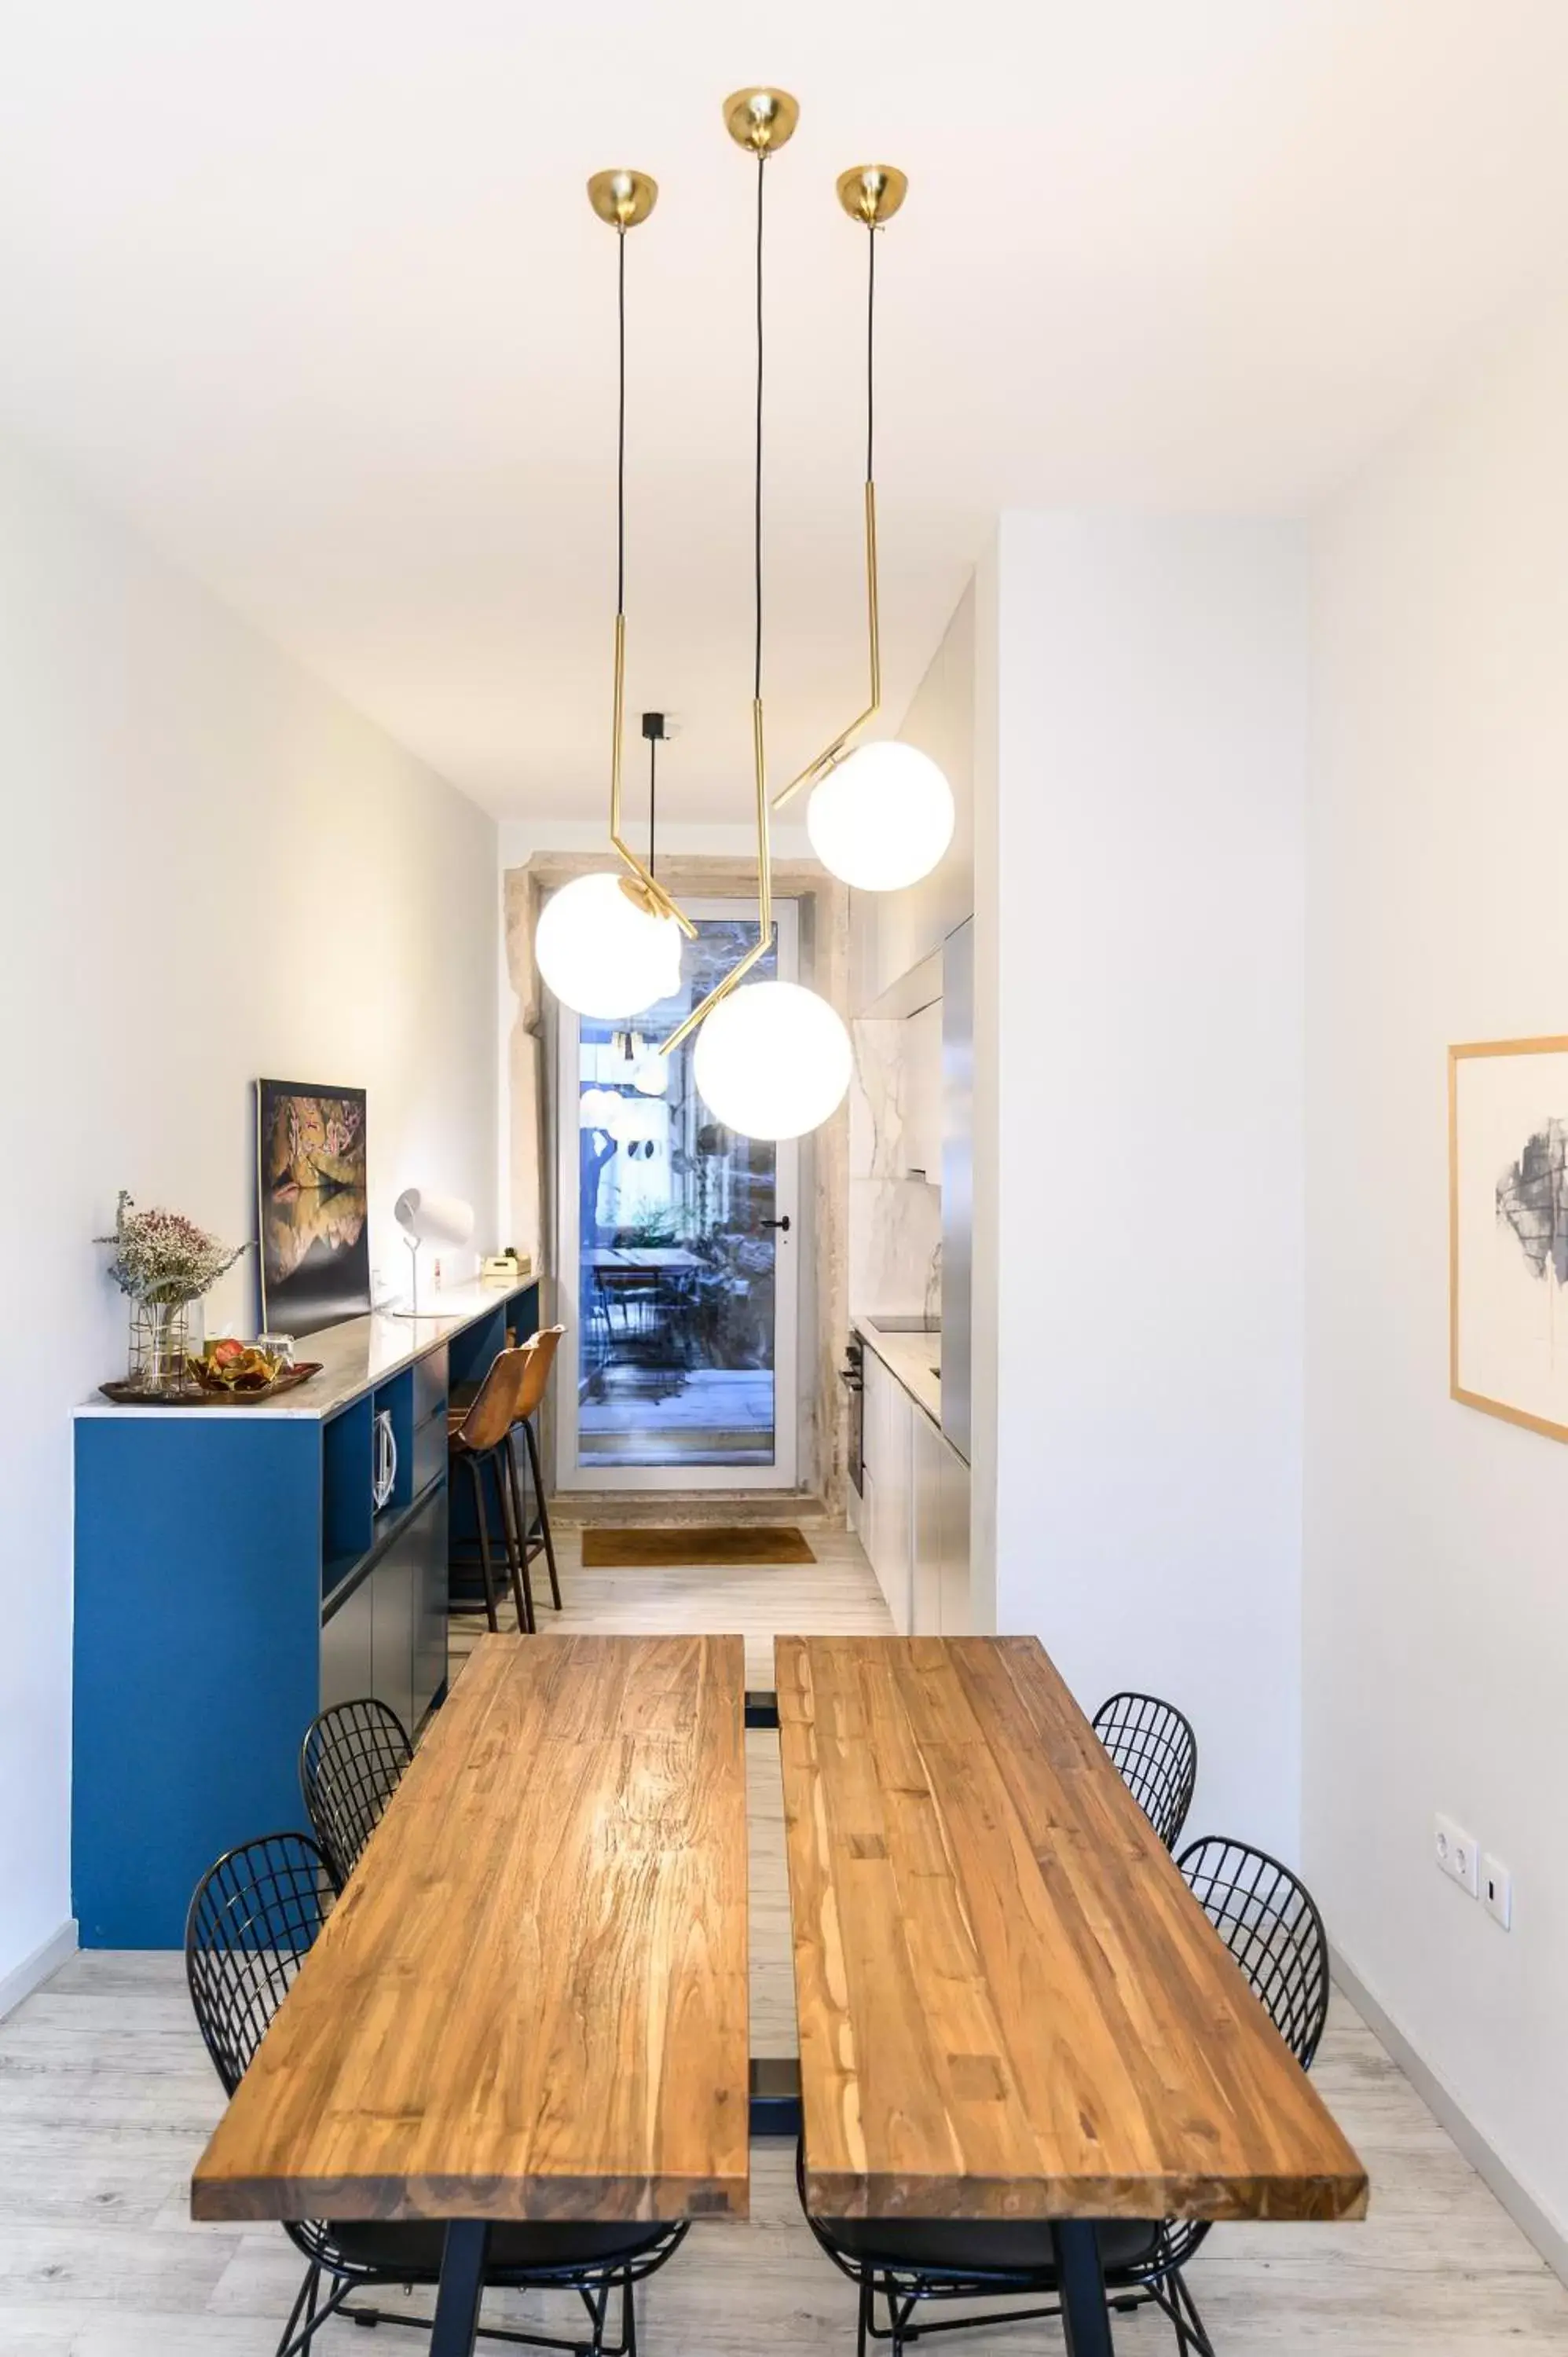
678,1244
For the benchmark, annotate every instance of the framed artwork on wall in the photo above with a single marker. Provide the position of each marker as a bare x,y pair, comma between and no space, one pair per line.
311,1209
1507,1231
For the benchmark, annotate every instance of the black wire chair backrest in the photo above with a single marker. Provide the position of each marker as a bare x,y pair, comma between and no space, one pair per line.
350,1764
1269,1920
253,1921
1154,1752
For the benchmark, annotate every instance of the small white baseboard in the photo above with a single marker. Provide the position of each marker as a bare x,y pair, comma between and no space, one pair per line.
1440,2099
26,1976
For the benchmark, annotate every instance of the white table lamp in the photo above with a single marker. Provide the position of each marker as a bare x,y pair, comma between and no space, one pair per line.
427,1218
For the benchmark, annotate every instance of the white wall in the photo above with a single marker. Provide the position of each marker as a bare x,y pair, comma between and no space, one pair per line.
1436,1623
213,869
1140,716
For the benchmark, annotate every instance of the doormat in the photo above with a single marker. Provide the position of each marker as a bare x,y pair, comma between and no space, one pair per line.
609,1549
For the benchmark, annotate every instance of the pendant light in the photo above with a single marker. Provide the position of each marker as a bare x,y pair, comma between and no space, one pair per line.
609,945
773,1061
881,815
601,954
772,1058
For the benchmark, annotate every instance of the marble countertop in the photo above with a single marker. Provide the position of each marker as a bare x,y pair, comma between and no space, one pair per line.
355,1356
913,1359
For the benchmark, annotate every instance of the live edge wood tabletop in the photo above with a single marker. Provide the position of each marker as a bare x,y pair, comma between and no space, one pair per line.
530,2001
1010,2004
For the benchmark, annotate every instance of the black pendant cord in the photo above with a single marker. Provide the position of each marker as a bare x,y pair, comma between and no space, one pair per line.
621,430
756,496
871,355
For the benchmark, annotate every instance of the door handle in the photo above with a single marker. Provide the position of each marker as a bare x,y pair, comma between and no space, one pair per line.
783,1223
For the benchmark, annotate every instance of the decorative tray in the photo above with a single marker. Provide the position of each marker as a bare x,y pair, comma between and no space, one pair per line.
128,1395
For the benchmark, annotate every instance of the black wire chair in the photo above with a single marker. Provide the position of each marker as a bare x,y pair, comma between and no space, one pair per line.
253,1921
350,1764
1154,1752
1268,1919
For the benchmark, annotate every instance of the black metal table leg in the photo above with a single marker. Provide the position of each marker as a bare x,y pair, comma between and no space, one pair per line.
1085,2316
462,2282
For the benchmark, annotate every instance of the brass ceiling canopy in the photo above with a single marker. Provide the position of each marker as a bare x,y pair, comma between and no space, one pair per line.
872,193
622,197
761,120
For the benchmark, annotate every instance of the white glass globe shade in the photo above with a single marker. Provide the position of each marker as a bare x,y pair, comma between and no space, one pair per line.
651,1076
601,954
598,1108
772,1060
883,818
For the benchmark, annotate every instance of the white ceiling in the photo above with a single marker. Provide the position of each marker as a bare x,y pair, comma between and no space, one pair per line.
310,289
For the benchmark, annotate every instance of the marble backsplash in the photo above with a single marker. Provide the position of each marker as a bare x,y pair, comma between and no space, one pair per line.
895,1220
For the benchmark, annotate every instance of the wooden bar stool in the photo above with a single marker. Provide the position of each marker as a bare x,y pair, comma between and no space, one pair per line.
542,1348
479,1437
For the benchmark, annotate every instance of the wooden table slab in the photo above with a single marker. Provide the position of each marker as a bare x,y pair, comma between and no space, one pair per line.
1010,2004
530,2001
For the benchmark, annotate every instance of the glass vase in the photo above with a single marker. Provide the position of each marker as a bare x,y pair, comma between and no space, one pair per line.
160,1340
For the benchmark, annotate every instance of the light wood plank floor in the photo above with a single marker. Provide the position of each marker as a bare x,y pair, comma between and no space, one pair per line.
106,2098
835,1596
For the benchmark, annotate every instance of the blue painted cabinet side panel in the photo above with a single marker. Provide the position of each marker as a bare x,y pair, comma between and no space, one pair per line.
198,1640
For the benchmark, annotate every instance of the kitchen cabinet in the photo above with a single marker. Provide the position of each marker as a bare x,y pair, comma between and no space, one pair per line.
913,1515
347,1643
233,1577
952,1574
887,1536
892,934
394,1582
925,1520
387,1636
923,1045
940,1521
430,1615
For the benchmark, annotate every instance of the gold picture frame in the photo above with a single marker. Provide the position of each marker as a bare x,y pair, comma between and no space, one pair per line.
1470,1123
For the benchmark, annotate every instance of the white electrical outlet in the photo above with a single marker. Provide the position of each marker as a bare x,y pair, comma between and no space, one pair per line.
1496,1891
1457,1855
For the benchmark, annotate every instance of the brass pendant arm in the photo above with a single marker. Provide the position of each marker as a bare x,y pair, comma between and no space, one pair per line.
647,891
834,753
623,199
764,940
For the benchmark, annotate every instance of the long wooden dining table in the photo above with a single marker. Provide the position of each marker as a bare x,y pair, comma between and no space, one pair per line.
531,2000
1010,2004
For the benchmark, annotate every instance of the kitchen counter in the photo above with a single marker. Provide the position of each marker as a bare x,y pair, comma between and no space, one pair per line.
355,1356
236,1571
912,1360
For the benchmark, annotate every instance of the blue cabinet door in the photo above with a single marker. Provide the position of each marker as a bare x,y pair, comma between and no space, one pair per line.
347,1672
393,1585
197,1646
430,1612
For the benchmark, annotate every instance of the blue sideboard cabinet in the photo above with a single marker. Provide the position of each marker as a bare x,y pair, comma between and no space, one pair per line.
232,1579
